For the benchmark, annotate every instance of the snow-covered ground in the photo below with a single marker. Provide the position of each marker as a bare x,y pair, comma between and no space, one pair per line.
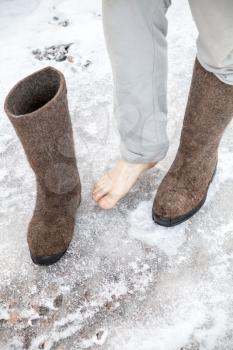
125,283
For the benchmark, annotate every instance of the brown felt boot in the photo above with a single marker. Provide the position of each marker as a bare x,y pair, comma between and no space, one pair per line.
184,189
37,107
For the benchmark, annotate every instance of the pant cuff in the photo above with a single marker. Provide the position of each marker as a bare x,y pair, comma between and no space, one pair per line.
153,157
221,74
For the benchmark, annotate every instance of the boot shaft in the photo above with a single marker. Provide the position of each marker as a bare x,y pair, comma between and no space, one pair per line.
38,109
209,110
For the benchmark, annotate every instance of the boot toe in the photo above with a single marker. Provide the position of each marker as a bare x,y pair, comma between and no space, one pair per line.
47,260
172,207
49,238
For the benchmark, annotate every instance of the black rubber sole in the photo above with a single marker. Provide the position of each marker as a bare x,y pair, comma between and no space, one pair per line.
170,222
47,260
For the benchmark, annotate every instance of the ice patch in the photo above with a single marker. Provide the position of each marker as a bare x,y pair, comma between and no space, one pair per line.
98,339
11,8
4,314
93,6
142,227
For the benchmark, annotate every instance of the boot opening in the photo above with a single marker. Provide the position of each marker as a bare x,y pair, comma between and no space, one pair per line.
34,92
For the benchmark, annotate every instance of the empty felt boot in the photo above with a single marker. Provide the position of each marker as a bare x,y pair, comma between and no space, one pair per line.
184,189
38,109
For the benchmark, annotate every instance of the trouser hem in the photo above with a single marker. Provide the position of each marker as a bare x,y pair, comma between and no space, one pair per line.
155,157
223,77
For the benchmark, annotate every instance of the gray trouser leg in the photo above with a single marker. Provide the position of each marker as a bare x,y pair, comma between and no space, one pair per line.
214,20
135,32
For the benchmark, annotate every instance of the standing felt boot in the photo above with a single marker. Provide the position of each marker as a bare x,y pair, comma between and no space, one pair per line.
37,107
184,189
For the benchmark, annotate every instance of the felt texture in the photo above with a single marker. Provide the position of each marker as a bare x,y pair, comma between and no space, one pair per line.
209,110
38,110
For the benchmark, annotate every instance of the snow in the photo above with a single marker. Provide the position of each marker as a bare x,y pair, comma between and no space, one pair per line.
125,283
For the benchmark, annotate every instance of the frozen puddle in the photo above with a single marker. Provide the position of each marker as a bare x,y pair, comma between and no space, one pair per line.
142,227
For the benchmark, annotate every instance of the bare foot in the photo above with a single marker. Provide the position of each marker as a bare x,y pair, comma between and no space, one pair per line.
117,182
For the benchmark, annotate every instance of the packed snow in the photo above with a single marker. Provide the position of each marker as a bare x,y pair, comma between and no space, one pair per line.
125,283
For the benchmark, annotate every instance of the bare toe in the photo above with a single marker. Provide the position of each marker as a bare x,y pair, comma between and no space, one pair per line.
107,202
102,183
98,194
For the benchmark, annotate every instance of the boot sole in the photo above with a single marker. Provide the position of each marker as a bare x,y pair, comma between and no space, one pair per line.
169,222
47,260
